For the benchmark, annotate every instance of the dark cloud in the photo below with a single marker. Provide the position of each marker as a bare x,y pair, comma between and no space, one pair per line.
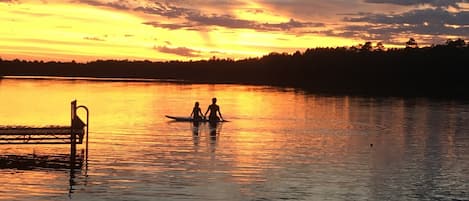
416,17
217,52
222,20
196,21
90,2
165,10
388,33
425,22
119,4
431,26
292,24
255,10
437,3
170,26
9,1
181,51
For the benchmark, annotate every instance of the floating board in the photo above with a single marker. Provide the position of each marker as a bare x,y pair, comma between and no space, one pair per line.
190,119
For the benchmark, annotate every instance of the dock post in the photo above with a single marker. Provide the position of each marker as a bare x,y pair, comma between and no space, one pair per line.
73,142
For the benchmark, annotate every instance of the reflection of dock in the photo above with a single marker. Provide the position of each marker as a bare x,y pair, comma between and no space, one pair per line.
32,161
72,134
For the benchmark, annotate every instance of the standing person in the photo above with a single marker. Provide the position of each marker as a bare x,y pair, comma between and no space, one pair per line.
214,108
196,112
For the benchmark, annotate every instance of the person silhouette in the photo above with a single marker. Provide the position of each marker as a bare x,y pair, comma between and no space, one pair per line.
214,109
196,114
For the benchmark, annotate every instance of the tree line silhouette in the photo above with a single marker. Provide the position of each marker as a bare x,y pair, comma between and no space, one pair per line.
438,70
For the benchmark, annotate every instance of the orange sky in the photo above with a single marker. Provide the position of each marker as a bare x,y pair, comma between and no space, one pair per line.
84,30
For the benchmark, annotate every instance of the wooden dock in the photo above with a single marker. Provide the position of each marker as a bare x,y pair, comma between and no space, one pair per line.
45,135
74,134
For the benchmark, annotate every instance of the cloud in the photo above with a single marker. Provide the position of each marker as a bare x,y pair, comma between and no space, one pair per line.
181,51
416,17
217,52
195,18
197,21
437,3
390,33
170,26
221,20
165,10
425,22
429,25
229,21
255,10
93,38
293,24
10,1
119,4
390,18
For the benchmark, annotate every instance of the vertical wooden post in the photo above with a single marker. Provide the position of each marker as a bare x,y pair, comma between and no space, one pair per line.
73,145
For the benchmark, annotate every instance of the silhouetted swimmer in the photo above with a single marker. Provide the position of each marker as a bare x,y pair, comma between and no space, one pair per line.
214,109
196,112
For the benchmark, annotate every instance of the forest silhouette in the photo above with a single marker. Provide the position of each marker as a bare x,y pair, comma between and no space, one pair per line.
437,70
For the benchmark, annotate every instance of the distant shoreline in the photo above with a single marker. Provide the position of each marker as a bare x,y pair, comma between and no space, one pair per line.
117,79
92,79
437,71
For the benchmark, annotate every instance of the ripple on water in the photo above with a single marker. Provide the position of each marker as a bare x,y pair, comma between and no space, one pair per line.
279,145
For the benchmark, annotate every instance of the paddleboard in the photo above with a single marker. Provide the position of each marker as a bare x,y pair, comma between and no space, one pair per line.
190,119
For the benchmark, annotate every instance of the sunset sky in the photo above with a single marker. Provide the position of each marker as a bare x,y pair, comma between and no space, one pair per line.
157,30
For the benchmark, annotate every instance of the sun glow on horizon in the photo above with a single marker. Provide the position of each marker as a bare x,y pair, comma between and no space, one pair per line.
65,32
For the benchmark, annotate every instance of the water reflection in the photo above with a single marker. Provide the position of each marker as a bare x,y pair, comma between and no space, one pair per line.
318,150
213,133
213,127
195,133
30,165
33,161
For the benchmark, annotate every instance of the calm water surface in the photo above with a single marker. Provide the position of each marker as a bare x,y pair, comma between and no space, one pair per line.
280,144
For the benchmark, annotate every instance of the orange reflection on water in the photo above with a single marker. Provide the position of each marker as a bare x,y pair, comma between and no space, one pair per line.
269,138
276,138
24,184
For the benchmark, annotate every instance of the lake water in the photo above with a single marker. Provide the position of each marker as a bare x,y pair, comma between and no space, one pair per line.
280,144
